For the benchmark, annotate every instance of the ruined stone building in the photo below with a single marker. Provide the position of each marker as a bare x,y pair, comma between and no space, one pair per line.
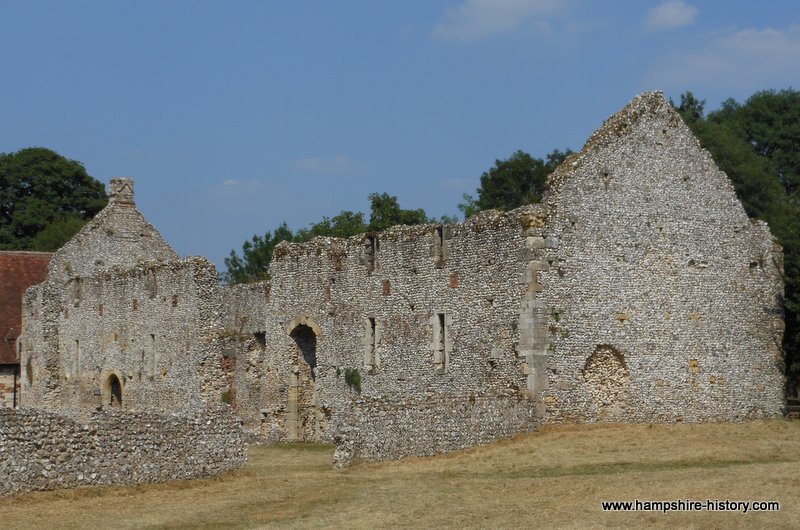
18,271
637,290
121,320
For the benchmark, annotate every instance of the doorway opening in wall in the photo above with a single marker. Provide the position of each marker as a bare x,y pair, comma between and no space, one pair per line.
306,341
114,389
303,419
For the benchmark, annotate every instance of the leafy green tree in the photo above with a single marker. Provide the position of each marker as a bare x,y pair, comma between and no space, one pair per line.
253,264
514,182
344,225
44,199
770,123
385,211
691,109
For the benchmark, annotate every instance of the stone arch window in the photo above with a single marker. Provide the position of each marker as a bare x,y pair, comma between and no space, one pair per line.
606,376
112,391
306,341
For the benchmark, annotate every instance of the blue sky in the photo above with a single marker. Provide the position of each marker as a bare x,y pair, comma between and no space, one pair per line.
235,116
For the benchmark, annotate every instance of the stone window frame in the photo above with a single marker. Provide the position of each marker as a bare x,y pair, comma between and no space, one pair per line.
441,340
440,250
371,342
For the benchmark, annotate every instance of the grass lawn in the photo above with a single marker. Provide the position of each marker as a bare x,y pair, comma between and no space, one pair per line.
555,477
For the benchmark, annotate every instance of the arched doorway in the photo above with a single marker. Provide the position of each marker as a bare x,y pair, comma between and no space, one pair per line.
112,392
302,421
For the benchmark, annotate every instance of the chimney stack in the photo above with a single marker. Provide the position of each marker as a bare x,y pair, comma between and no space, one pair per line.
120,191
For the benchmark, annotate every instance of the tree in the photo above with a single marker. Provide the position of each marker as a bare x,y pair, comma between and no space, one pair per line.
385,212
691,108
253,264
44,199
514,182
770,123
344,225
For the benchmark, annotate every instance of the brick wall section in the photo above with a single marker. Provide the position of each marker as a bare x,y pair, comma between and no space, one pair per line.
42,450
18,271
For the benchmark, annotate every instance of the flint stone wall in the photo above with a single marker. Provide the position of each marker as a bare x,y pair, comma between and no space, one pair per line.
638,290
328,285
381,429
155,326
42,450
658,265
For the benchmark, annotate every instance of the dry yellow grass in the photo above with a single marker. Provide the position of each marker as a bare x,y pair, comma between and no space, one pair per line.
553,478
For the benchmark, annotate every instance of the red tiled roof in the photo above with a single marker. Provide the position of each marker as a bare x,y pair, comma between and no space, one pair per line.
18,271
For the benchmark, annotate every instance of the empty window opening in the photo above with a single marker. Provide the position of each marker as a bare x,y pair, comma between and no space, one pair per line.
114,387
261,338
441,342
77,357
150,284
306,341
437,251
76,291
371,342
371,247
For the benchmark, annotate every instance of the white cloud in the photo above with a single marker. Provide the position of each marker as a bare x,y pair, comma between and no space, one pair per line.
474,19
338,165
236,185
670,14
750,59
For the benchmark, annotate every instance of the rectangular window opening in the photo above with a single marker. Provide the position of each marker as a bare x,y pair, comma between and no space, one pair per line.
151,356
438,247
77,356
440,344
371,248
371,355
